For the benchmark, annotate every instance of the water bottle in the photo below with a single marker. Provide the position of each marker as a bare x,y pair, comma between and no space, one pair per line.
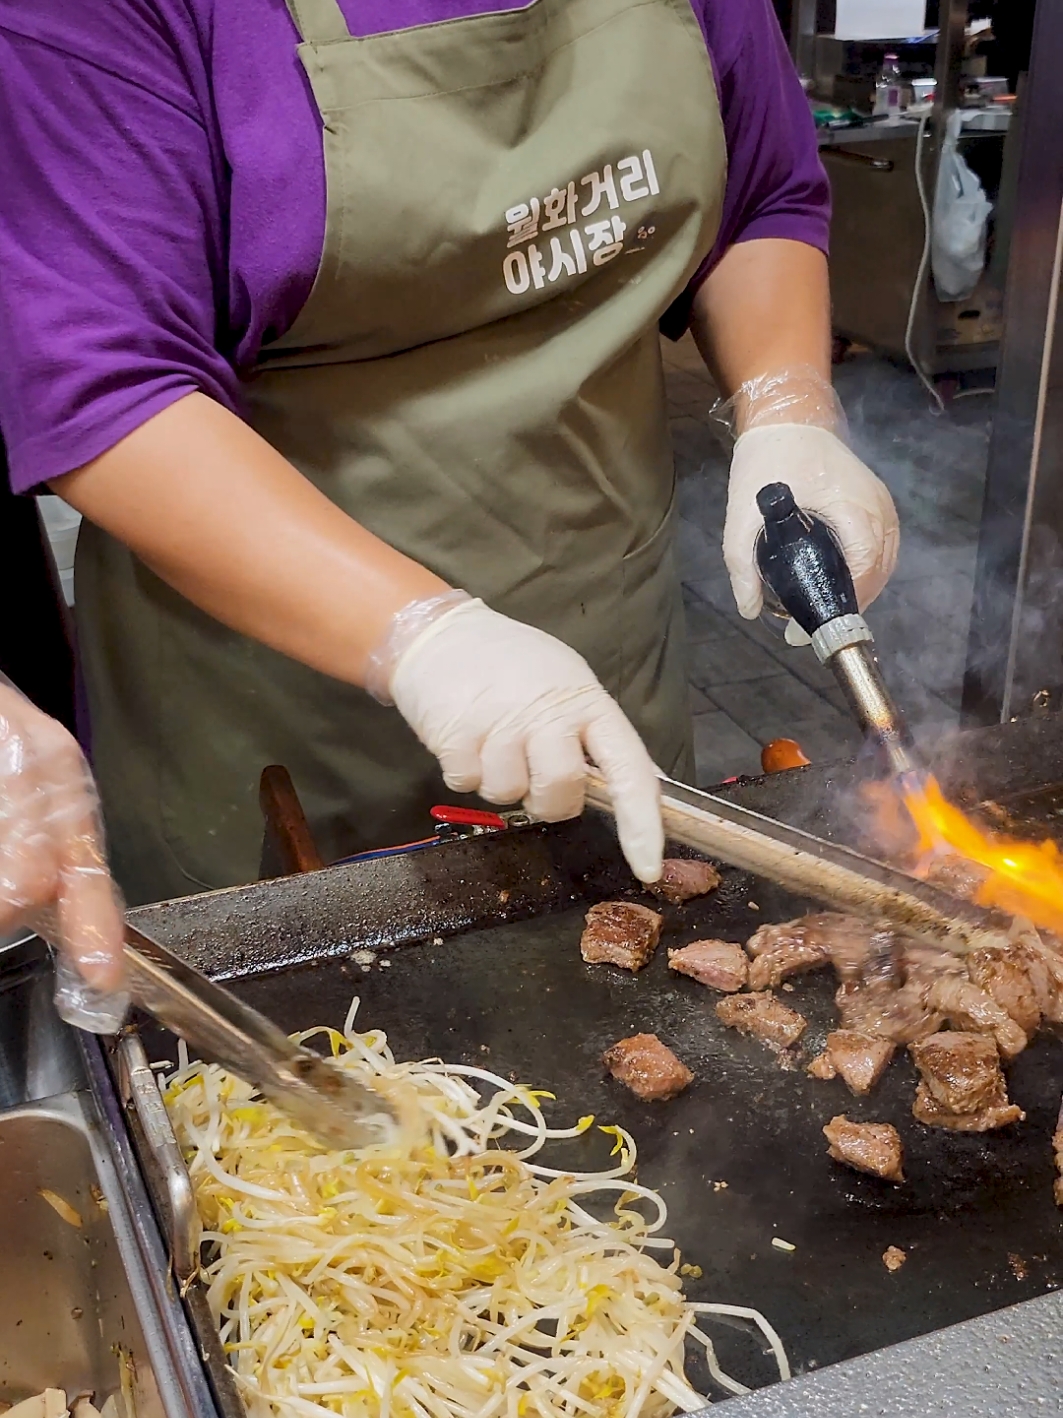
888,90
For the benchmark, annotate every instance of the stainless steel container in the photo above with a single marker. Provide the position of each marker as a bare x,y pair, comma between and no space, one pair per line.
86,1302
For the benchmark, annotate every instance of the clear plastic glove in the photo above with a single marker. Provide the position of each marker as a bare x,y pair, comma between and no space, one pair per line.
513,714
792,430
51,846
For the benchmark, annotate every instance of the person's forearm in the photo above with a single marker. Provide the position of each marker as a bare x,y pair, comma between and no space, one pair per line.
230,524
764,310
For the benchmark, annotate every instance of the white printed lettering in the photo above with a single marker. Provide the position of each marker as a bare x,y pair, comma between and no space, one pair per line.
515,270
560,207
651,171
601,185
633,186
605,239
523,222
562,262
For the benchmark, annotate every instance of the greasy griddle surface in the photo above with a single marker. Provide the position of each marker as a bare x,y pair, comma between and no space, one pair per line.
519,999
507,988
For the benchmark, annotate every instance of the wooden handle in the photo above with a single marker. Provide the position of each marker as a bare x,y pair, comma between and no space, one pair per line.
288,845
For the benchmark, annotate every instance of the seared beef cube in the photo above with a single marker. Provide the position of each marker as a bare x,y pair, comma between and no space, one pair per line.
822,1066
648,1067
1045,966
764,1017
961,1070
806,944
997,1114
1057,1153
720,964
874,1148
1005,975
768,971
682,880
885,1012
859,1058
969,1009
620,933
788,935
958,876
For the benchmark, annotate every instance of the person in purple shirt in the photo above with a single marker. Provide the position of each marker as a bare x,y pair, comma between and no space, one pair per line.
338,321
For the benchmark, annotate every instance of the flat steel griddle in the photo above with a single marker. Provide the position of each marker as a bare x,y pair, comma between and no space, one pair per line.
481,939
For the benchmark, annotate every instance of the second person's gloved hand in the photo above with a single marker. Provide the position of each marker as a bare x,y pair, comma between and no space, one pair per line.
51,848
514,714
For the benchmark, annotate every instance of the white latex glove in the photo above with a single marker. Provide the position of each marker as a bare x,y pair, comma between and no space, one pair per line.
513,714
51,851
826,479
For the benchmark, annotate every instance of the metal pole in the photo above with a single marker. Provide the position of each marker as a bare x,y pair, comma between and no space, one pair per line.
1015,649
803,24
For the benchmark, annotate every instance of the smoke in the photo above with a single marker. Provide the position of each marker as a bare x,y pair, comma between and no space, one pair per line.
934,465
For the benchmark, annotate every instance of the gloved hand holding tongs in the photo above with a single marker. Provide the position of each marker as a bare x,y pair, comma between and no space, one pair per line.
54,877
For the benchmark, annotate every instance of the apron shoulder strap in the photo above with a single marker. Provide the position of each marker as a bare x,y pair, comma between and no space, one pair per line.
318,21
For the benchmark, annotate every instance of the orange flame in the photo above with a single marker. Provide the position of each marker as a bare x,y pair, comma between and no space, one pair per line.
1021,878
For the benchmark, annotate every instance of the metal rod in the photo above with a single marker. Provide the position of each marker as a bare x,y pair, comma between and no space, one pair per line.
1014,665
809,866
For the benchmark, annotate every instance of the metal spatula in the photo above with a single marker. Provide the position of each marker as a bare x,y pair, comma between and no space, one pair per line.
810,866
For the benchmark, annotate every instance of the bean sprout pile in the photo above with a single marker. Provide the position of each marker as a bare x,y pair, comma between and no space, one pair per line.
448,1278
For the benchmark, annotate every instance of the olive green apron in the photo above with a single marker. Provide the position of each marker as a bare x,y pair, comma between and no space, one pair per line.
513,201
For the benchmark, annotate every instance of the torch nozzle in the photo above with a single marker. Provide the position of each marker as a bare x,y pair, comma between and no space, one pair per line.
857,671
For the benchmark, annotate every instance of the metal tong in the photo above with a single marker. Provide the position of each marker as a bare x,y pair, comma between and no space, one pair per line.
810,866
339,1110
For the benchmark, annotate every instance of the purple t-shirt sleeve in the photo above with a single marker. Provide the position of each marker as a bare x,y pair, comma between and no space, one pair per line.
163,197
109,243
776,185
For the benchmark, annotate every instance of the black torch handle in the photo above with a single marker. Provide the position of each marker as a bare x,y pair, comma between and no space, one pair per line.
801,562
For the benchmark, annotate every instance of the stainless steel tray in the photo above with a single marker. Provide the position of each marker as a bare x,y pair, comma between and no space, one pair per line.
85,1303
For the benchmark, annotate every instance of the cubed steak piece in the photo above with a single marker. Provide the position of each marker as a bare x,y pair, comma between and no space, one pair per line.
720,964
822,1066
620,933
805,944
1015,979
970,1010
764,1017
874,1148
1057,1156
958,876
648,1067
962,1086
859,1059
879,1007
682,880
926,1109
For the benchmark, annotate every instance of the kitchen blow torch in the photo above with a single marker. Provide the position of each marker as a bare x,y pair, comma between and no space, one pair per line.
807,578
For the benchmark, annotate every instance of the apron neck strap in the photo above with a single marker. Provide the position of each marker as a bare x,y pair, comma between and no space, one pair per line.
318,21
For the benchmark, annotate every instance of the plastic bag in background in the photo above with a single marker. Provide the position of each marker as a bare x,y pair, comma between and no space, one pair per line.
961,215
